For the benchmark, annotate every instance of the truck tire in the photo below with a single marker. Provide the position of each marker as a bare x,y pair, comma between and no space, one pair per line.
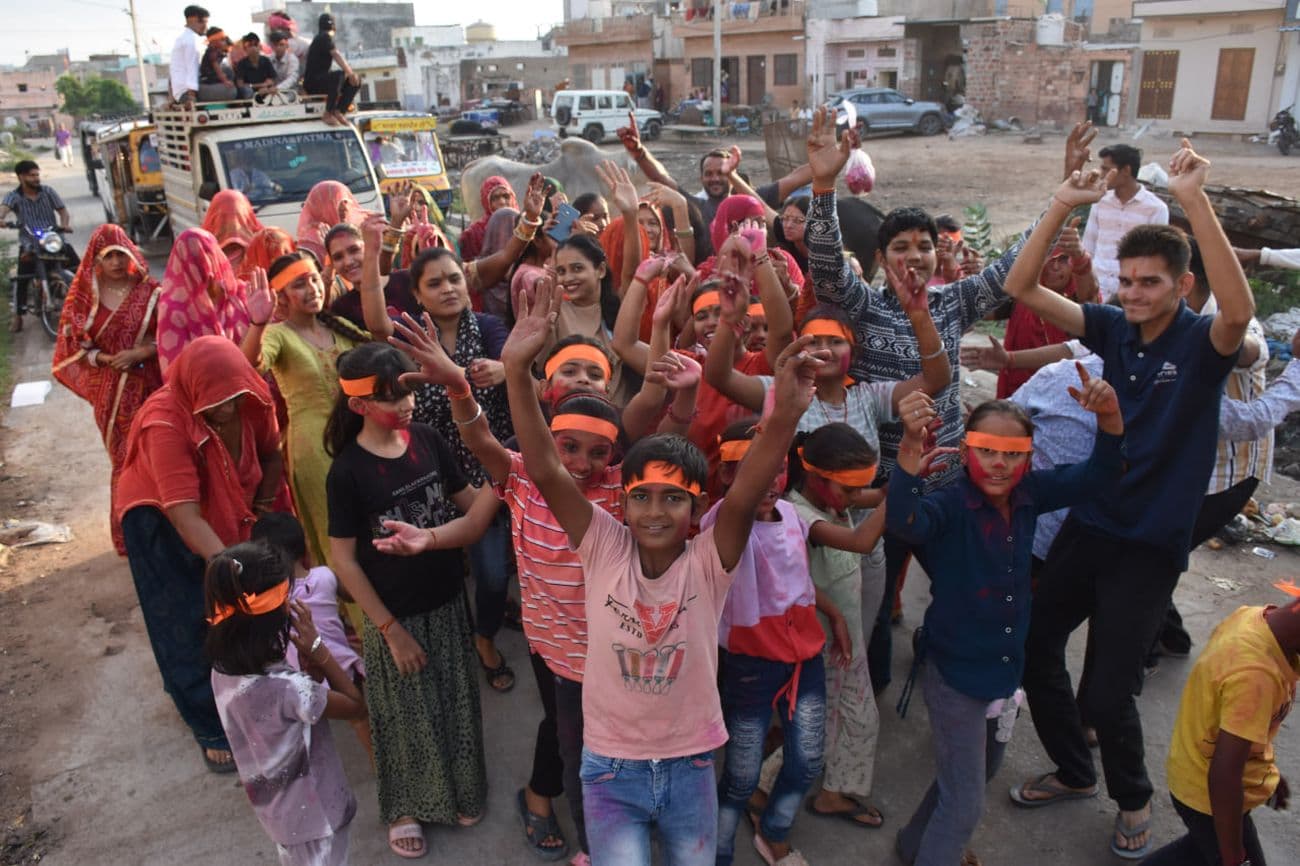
930,124
595,133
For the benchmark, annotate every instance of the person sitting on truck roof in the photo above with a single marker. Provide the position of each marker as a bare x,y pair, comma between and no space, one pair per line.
297,44
255,70
186,53
338,86
215,80
288,71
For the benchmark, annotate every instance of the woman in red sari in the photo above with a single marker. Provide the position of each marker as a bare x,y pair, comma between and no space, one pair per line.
494,194
266,245
233,222
105,351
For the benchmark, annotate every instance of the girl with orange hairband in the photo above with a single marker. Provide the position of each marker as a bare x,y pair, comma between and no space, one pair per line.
276,716
300,351
975,538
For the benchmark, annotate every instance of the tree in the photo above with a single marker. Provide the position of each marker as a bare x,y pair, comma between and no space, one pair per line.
95,96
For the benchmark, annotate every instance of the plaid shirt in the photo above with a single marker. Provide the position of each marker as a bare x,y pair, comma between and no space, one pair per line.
35,213
884,333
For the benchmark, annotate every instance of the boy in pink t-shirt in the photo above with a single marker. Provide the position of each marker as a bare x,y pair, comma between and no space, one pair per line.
654,601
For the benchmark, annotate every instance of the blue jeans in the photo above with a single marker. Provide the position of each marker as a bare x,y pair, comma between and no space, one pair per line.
966,756
488,563
625,800
750,687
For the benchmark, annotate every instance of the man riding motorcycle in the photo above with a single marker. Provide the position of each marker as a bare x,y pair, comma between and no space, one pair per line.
35,206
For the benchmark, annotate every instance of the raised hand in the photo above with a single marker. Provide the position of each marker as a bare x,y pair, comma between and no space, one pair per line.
663,196
932,463
731,161
585,225
650,268
403,197
992,357
533,325
796,376
826,156
736,259
1084,187
420,343
403,539
675,371
618,186
372,231
1095,395
1188,171
917,412
1077,152
733,298
535,197
666,304
1069,241
261,301
630,135
908,287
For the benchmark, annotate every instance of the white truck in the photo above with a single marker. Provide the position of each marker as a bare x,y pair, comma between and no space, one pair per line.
274,154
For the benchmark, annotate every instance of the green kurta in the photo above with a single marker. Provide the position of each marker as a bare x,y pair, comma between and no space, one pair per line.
309,382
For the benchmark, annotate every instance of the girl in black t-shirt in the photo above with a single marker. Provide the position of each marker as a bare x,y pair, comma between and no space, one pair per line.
421,683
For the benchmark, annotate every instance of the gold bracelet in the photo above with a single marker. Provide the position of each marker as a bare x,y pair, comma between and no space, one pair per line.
684,233
526,238
523,218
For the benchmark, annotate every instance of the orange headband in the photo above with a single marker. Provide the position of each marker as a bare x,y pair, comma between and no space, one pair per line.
705,300
585,423
216,37
299,268
826,328
847,477
1005,444
756,311
734,450
578,352
955,237
663,472
253,603
363,387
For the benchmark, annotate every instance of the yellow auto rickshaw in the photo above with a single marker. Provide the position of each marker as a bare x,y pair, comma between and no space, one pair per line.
131,181
403,146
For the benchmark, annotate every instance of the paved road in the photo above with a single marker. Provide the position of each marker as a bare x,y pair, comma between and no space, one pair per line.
118,775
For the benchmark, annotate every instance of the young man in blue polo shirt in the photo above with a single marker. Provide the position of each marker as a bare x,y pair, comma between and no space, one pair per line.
1116,560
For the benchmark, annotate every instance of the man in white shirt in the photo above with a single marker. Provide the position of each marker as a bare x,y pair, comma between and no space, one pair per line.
187,54
1126,204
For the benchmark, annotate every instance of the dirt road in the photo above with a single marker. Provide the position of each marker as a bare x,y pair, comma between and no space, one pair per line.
95,766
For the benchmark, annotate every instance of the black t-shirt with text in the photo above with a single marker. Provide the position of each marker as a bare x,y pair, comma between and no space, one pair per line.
365,489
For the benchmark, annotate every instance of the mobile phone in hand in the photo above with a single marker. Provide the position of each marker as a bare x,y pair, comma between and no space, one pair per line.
565,216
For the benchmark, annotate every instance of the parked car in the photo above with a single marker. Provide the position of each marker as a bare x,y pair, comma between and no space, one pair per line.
882,108
597,114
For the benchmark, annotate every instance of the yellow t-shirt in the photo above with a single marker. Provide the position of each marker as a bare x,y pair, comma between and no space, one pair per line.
1243,683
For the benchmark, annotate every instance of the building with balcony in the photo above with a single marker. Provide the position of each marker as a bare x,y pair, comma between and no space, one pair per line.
762,51
603,52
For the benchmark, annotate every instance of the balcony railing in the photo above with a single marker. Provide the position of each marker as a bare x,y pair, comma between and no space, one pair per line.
588,31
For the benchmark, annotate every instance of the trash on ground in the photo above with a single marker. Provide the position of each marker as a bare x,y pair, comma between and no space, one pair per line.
1283,325
30,393
1261,552
25,533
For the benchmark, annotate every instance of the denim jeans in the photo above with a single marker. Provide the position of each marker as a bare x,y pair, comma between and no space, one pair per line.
626,800
966,756
749,692
488,562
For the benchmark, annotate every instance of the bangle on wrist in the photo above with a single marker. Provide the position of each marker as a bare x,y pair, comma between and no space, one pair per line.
478,413
315,645
92,357
383,629
762,259
818,190
936,353
534,222
458,392
526,235
258,324
677,419
1062,202
684,233
433,539
1011,361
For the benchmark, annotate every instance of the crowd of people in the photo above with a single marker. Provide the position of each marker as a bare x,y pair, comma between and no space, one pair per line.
708,449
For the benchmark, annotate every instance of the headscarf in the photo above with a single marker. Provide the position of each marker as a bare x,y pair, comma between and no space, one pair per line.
185,309
804,299
500,226
471,239
231,219
114,395
665,234
210,371
733,208
611,241
320,213
265,247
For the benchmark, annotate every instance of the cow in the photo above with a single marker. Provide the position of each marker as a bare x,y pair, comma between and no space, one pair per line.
574,168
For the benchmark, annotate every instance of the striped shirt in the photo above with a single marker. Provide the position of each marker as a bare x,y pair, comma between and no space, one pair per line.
36,213
1234,462
889,352
552,589
1108,221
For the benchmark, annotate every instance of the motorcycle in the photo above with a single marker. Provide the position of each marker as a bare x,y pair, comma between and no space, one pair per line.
50,274
1285,133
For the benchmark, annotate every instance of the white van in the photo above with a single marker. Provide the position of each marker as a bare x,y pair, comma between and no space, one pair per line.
597,114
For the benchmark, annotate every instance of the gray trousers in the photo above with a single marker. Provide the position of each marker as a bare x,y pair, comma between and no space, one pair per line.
966,756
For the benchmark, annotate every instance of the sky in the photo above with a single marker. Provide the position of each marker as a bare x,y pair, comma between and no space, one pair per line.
102,26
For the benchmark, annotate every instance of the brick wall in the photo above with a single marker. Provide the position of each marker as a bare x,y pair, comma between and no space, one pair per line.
1009,75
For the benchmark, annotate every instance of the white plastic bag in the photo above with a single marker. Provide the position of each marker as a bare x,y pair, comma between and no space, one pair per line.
859,172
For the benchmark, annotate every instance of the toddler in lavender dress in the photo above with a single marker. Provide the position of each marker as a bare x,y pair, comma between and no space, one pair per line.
275,716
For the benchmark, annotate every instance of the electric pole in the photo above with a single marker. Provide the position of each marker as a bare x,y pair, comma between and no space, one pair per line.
139,58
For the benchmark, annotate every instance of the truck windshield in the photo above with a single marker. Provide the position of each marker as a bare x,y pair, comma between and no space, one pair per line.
284,168
404,154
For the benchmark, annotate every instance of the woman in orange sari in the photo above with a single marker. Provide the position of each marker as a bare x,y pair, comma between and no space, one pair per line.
266,245
105,351
233,222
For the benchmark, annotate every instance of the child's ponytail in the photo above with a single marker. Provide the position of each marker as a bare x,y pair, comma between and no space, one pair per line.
246,633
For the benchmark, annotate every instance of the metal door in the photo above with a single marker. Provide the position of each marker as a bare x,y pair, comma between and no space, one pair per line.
1116,91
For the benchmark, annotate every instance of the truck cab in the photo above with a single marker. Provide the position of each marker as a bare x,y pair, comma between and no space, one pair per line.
274,154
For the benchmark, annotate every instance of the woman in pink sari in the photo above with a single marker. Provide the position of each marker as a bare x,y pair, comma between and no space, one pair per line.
328,204
105,352
231,219
200,295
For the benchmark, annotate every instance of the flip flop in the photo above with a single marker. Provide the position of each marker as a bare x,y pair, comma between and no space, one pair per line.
407,830
1129,833
1058,791
500,672
217,766
850,815
538,828
794,858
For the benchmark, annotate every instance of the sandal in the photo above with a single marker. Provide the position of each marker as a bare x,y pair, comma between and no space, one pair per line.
498,674
1057,791
539,828
1129,834
794,858
850,815
408,829
218,767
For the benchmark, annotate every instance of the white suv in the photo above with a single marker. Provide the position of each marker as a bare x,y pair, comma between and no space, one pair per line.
597,114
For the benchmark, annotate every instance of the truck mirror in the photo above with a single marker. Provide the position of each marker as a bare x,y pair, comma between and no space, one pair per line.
208,190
